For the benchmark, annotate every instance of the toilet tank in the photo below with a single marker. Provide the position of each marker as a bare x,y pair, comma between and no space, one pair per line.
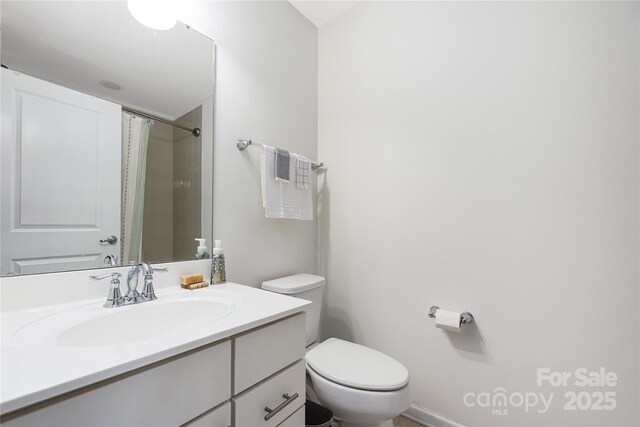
305,286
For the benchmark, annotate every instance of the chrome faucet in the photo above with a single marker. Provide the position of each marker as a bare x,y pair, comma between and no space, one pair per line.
115,298
111,260
148,293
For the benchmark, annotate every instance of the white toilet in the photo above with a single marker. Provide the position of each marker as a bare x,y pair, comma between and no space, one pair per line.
362,386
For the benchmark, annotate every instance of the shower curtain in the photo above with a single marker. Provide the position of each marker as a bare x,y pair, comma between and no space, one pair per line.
135,140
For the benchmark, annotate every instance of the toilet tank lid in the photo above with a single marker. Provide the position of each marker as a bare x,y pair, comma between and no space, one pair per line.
294,284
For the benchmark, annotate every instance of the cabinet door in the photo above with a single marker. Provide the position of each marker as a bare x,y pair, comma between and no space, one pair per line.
168,393
267,350
218,417
295,420
250,407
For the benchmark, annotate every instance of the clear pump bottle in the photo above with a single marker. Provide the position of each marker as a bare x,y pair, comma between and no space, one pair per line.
201,252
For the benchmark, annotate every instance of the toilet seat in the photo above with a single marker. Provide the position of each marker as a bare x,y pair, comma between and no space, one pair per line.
356,366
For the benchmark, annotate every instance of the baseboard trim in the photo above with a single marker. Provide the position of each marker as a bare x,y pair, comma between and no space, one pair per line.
427,418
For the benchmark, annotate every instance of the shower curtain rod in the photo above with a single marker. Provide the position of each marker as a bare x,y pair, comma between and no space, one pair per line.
194,131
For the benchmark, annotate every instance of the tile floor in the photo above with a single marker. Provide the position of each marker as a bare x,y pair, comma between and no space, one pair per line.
397,422
404,422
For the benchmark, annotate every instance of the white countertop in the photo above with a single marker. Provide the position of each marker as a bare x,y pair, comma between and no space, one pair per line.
40,369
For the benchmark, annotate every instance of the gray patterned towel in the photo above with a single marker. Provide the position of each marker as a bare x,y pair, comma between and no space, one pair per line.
282,165
303,169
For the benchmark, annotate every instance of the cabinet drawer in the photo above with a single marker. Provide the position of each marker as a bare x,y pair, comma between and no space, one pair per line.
218,417
249,407
167,393
295,420
267,350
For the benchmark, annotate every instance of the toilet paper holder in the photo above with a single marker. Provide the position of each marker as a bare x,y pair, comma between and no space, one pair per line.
465,317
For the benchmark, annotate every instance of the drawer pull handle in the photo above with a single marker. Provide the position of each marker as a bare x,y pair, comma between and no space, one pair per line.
272,412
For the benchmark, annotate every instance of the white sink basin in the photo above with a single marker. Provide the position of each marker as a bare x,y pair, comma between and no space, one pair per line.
92,325
143,323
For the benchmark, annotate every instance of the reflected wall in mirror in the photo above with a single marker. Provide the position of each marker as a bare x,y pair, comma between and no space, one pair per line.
107,138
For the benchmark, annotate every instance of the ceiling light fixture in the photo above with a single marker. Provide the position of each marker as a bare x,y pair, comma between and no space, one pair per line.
110,85
151,14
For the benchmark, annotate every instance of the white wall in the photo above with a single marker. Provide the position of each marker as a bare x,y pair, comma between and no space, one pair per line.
266,90
484,157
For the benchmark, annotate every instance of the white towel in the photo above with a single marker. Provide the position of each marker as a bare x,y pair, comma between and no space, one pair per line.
282,200
303,171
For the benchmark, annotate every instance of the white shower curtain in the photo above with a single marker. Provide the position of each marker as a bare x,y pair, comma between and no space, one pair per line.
135,140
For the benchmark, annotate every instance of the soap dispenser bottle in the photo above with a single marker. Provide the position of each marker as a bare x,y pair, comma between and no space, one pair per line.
201,252
218,274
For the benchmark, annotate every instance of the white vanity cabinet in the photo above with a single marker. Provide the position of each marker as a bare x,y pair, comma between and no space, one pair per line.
269,371
226,383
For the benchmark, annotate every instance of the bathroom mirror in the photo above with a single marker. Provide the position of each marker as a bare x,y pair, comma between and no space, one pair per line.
107,137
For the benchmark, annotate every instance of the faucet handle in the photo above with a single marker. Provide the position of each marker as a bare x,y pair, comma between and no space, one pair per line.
148,293
114,299
115,276
149,269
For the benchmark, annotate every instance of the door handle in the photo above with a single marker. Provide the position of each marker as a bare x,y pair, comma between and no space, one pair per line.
112,240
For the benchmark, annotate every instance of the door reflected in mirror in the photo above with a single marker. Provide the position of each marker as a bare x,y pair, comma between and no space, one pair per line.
107,138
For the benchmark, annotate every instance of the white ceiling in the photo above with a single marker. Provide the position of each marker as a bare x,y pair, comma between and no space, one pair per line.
321,12
77,44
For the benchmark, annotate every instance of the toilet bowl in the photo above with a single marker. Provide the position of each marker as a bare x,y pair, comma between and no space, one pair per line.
362,386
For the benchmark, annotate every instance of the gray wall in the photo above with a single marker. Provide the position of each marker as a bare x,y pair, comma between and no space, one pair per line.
484,157
266,90
187,186
158,221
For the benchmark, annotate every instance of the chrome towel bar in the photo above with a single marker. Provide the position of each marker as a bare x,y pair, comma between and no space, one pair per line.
242,144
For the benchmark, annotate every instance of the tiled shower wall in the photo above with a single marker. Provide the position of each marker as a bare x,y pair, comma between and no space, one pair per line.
187,186
157,231
173,188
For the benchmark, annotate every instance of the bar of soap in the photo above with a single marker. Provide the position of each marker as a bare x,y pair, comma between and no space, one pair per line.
189,279
196,285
